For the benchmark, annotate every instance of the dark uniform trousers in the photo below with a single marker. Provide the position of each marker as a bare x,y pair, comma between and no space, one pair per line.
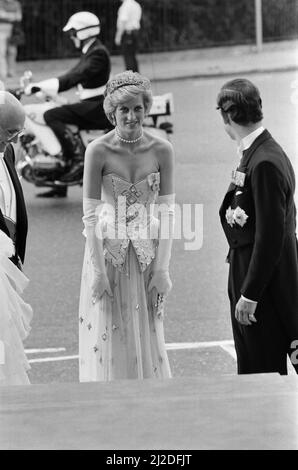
87,114
91,72
129,44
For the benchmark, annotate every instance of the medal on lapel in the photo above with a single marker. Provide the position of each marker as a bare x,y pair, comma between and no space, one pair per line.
238,178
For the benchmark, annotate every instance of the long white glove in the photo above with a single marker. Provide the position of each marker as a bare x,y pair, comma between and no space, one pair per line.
161,278
91,209
49,87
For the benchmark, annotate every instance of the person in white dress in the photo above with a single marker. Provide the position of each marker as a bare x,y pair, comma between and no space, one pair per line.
127,32
15,314
125,279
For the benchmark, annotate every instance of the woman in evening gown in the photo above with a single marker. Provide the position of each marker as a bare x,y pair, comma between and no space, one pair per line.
128,175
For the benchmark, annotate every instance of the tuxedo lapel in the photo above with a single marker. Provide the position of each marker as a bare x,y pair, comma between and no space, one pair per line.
3,225
21,222
16,182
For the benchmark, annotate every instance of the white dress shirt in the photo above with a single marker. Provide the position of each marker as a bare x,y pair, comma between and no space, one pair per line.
129,15
8,203
248,140
87,45
245,143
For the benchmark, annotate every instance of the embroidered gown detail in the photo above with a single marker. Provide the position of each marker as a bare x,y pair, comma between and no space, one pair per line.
123,337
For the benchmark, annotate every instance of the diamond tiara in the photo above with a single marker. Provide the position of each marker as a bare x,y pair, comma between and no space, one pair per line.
125,79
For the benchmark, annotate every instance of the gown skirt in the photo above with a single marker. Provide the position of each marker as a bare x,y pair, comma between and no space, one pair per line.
120,338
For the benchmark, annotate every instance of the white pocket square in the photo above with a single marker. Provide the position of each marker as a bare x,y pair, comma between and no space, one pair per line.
239,192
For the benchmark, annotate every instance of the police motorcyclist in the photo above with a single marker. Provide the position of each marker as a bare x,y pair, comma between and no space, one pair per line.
90,76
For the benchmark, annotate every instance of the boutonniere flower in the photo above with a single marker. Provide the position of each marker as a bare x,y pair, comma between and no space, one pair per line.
229,216
240,216
236,216
154,181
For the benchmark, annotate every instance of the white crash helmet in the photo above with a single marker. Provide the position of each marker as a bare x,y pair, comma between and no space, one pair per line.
85,24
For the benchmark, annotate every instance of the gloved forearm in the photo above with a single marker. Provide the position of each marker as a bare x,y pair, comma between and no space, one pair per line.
91,208
100,284
166,209
49,87
160,278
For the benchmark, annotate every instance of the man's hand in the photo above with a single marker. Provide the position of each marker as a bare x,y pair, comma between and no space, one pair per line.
244,312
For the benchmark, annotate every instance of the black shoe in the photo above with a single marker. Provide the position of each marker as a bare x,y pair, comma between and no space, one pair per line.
74,175
55,192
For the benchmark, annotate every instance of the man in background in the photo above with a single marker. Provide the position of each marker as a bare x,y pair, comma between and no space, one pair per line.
127,34
10,13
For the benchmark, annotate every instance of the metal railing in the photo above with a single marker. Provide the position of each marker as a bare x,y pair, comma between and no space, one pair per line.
166,24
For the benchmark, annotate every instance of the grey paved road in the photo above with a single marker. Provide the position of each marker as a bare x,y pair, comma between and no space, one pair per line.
197,309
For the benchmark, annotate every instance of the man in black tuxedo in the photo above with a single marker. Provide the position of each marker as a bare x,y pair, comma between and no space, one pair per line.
90,75
13,215
258,216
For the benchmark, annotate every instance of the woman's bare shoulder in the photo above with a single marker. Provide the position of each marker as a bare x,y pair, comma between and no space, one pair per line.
97,149
159,142
162,148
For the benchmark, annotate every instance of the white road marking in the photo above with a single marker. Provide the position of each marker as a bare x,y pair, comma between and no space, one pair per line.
229,348
291,370
205,344
53,359
44,350
226,345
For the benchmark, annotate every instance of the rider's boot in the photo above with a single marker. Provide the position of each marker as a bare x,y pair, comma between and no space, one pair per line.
75,152
75,174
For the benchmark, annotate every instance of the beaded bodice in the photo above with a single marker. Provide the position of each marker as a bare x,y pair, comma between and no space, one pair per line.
127,218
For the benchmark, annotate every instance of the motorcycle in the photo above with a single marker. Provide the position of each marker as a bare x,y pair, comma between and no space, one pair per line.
39,155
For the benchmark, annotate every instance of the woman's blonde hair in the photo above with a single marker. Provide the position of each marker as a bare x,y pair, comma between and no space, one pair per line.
124,87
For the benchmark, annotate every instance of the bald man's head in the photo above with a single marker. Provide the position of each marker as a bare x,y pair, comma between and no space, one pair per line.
12,113
12,118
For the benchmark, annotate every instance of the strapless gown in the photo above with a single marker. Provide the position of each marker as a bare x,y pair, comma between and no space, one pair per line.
123,338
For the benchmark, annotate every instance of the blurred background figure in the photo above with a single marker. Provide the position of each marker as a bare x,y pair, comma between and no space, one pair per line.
128,27
16,39
10,14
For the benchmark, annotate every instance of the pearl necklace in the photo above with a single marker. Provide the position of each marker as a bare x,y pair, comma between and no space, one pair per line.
126,141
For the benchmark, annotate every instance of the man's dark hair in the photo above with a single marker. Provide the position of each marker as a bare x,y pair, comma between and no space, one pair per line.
240,99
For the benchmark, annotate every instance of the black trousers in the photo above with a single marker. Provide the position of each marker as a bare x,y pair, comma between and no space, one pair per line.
87,114
263,346
129,46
